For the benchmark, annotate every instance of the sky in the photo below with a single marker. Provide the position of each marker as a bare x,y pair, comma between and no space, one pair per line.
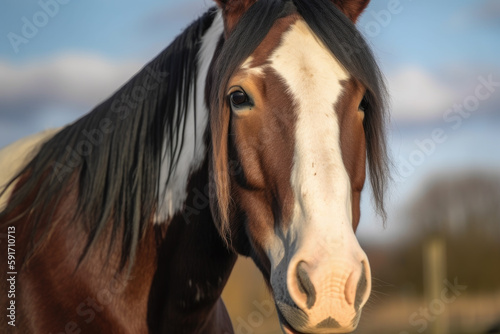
60,58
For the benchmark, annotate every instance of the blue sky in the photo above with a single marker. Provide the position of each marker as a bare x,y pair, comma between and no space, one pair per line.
432,53
115,29
122,29
435,33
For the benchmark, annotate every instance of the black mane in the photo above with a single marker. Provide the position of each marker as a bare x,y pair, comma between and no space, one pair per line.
114,152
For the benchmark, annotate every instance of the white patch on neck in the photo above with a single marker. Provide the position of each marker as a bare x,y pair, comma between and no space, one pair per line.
322,208
173,195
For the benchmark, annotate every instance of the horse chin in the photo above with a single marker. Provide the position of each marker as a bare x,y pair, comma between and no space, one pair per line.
285,326
288,329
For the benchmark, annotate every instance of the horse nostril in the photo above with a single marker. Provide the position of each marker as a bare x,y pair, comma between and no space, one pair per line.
362,287
305,284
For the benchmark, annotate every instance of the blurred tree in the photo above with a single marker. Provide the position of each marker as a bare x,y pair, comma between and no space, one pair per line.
459,204
465,210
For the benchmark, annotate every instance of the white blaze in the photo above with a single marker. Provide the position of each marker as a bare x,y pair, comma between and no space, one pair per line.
320,232
322,208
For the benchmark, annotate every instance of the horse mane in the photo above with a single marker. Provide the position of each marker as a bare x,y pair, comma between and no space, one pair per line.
342,38
114,153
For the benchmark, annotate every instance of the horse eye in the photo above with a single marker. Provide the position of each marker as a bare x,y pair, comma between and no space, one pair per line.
238,98
363,106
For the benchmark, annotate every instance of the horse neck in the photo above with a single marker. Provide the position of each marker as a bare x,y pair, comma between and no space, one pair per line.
193,267
193,262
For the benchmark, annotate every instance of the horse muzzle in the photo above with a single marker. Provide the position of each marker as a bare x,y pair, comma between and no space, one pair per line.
324,293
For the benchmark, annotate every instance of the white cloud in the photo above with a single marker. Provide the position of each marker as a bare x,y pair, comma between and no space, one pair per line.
485,12
55,91
417,95
72,79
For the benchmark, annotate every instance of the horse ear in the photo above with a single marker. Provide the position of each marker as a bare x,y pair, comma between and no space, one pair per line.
232,10
352,8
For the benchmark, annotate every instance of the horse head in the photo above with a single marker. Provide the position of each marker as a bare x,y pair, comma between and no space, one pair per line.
296,104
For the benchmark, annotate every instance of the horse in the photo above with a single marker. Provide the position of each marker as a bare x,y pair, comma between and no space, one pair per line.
251,134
